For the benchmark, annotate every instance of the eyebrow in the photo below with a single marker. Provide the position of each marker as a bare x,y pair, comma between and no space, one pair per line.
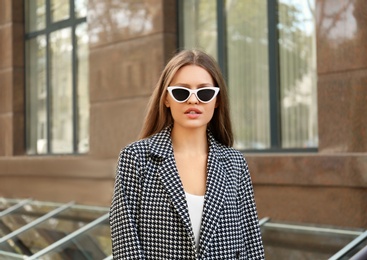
202,85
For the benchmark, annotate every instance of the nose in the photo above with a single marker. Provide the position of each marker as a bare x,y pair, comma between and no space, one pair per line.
193,99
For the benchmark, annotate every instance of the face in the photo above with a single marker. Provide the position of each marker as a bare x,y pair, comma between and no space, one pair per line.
191,113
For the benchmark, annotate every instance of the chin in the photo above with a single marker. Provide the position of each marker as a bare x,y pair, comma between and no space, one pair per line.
194,125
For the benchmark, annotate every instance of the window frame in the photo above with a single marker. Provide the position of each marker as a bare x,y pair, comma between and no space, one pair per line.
274,68
72,22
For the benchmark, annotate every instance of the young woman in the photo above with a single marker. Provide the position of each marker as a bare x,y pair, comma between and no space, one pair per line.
182,192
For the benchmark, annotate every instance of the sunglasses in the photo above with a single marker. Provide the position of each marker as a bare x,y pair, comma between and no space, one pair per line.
204,95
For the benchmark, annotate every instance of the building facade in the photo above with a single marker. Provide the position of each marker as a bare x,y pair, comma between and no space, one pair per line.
129,43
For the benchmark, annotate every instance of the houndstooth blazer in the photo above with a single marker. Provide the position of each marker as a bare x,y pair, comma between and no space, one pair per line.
149,216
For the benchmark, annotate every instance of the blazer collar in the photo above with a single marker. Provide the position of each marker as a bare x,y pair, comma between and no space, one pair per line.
161,146
161,143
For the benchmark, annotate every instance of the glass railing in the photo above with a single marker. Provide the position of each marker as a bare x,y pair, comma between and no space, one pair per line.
42,230
301,241
31,229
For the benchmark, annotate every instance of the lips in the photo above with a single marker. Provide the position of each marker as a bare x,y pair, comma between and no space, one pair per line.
192,111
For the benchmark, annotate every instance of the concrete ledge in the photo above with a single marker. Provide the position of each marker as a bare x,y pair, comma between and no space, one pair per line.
57,167
331,170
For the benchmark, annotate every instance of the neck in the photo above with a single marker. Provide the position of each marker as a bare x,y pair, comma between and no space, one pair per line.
193,141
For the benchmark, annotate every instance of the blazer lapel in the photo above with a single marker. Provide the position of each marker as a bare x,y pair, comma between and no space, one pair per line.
215,194
172,183
161,146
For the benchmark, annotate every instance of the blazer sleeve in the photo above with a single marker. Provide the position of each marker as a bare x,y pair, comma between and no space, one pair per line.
254,245
124,208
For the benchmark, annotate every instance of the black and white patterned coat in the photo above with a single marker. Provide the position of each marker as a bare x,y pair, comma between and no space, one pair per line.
149,215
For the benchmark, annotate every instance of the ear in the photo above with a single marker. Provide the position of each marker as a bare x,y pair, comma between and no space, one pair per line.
166,103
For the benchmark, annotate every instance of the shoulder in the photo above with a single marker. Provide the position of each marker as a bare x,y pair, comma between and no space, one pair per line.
134,151
228,153
234,153
158,144
235,157
131,160
232,158
222,151
137,146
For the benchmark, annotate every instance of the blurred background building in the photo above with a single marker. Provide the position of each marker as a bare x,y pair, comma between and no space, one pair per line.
76,76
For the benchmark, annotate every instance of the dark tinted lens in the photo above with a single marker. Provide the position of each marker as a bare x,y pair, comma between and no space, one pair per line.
180,94
205,94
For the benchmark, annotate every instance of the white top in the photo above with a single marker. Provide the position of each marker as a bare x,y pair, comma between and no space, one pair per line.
196,205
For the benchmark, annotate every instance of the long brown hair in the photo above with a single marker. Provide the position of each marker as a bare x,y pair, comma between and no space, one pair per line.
159,116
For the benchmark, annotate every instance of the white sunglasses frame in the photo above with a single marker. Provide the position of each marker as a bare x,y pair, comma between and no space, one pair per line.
192,91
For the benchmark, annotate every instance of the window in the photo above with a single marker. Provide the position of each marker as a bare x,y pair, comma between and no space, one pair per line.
267,52
57,103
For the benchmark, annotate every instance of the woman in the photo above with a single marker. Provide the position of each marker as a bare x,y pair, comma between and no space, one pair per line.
182,192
